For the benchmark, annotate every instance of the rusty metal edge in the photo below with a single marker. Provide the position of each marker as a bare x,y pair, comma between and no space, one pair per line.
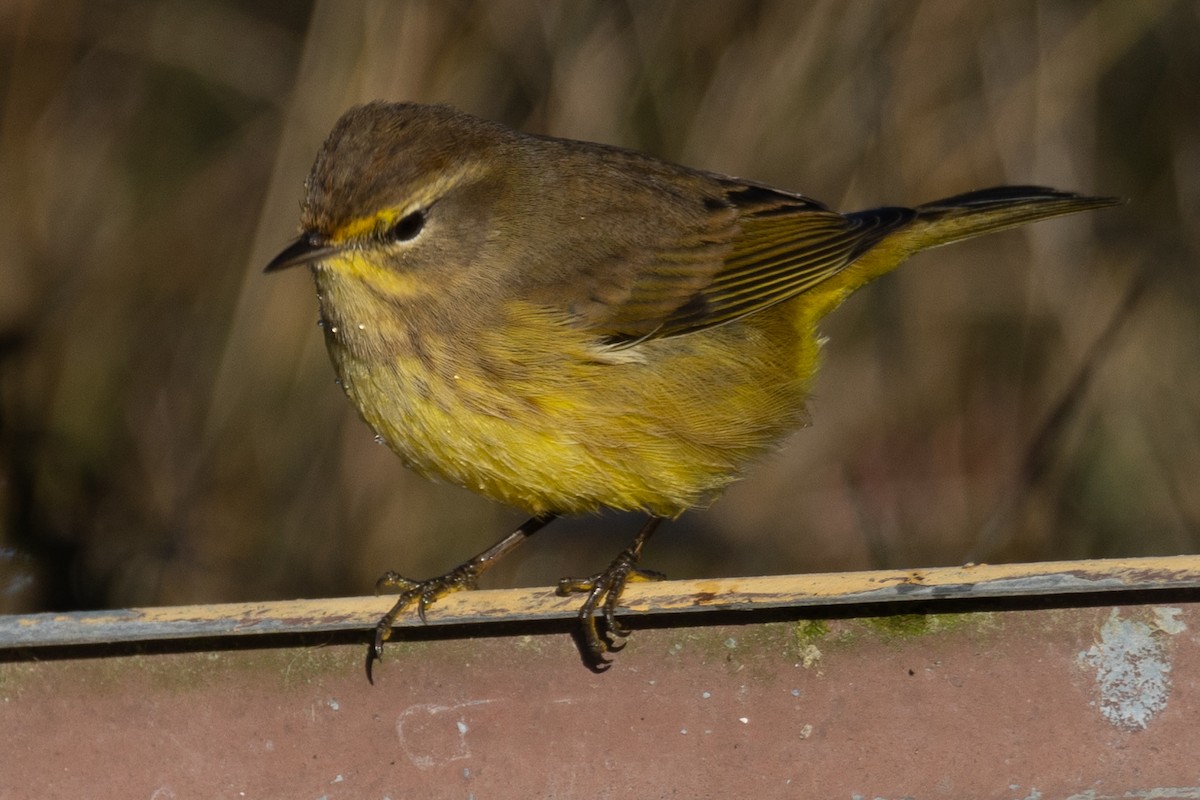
972,581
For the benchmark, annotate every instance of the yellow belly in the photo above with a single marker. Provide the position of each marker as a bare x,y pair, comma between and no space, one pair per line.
534,413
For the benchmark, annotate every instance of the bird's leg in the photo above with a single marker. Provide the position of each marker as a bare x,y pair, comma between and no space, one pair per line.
607,586
464,576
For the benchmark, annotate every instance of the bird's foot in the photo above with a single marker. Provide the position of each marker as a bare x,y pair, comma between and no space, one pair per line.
604,592
422,593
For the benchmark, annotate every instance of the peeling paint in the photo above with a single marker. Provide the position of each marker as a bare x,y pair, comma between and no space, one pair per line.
1167,620
1133,667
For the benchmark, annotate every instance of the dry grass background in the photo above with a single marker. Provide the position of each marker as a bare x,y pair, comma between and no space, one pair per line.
169,427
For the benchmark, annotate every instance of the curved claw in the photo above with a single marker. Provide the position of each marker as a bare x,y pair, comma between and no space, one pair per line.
383,632
423,593
597,645
610,619
605,586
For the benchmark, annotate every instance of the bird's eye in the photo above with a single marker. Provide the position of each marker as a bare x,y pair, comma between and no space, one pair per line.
407,229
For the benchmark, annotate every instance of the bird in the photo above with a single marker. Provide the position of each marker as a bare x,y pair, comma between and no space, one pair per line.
566,326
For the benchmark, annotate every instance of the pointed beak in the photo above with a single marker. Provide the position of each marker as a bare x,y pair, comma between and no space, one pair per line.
306,249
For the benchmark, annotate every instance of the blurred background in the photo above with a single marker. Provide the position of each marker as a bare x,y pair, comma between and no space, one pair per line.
170,431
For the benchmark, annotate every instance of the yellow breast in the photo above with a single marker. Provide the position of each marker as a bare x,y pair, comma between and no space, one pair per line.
526,409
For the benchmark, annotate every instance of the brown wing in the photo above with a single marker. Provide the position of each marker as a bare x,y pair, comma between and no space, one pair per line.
783,248
763,247
637,248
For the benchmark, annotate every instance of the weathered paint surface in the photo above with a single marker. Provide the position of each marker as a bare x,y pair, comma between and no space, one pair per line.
970,582
1132,660
1081,703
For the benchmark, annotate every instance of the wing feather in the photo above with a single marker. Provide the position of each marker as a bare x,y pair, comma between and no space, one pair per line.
777,251
713,250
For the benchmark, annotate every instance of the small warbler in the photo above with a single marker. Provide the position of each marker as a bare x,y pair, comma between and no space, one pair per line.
565,326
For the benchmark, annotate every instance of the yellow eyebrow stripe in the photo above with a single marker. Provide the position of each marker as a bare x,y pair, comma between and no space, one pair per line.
364,226
383,219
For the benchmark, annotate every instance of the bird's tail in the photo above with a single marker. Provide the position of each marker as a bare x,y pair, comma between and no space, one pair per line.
987,210
888,236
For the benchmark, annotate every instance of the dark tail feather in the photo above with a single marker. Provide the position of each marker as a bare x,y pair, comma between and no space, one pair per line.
986,210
